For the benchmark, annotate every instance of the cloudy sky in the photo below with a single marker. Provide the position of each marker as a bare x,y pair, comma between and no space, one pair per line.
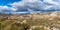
26,6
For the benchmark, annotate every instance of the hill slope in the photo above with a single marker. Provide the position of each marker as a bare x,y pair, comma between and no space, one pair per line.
30,22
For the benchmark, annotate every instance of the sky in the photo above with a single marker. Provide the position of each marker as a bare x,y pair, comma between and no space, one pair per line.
28,6
6,2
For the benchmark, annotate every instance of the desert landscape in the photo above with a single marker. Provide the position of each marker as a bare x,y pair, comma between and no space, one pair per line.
36,21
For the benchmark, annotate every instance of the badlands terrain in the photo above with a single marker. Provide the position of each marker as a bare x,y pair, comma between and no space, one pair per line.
38,21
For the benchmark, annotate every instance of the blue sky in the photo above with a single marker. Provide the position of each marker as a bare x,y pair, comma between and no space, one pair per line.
17,6
6,2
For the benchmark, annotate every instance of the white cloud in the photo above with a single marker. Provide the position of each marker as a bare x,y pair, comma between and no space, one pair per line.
25,4
33,5
36,4
30,0
4,7
13,9
50,2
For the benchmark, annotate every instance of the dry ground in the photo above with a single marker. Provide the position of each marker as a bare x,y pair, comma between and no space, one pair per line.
29,22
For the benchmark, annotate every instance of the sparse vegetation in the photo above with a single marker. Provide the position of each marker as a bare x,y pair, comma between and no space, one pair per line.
29,22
